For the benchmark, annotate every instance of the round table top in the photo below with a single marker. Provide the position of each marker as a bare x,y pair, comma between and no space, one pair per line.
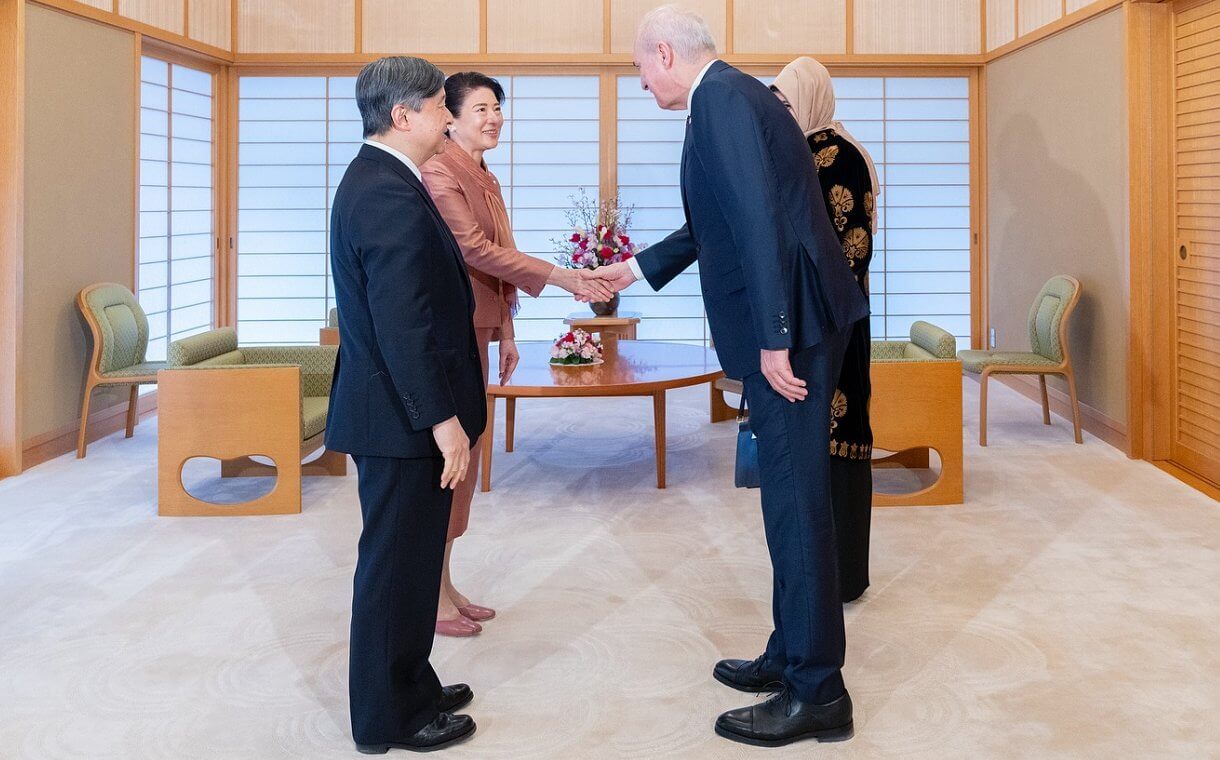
636,368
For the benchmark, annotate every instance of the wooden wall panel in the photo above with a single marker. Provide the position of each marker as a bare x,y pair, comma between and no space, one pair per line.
106,5
12,235
625,16
790,26
544,26
421,26
1075,5
1001,22
296,26
210,22
918,26
1032,15
169,15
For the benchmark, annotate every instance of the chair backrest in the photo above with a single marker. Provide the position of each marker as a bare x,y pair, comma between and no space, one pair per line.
118,324
1048,317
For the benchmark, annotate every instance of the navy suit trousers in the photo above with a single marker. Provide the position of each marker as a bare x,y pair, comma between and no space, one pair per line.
794,472
392,688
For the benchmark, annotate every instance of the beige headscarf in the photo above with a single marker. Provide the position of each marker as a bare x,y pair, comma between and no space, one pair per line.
807,86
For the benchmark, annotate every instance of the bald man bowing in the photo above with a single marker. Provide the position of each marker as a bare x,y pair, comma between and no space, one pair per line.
781,301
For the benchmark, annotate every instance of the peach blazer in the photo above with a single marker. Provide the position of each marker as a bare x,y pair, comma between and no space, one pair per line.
469,198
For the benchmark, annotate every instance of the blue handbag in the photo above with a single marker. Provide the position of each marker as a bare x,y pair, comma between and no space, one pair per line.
745,474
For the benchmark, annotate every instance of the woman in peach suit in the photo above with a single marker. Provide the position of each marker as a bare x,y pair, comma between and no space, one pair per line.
469,198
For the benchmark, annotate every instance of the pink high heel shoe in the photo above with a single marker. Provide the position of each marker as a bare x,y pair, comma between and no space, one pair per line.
459,627
475,612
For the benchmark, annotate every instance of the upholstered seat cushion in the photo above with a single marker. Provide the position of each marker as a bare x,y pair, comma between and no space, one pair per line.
136,370
977,361
313,415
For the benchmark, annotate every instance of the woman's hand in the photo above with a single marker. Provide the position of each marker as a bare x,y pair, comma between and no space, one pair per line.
509,357
586,285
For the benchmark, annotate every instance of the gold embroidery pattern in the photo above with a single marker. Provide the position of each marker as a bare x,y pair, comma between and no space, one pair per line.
838,408
826,156
842,201
846,450
855,245
869,205
821,137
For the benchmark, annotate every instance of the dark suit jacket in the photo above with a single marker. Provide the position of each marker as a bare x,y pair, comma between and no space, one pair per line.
407,351
770,264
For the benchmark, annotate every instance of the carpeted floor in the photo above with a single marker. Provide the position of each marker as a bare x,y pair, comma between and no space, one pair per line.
1068,609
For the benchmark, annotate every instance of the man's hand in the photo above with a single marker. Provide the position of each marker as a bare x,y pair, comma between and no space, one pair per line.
455,447
509,358
617,276
778,371
582,283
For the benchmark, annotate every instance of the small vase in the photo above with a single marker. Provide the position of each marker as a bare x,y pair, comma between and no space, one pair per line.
605,308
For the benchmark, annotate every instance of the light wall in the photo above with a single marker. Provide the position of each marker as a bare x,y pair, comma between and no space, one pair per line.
1057,197
79,202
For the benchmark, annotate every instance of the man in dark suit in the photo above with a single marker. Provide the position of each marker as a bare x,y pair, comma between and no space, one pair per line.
407,400
780,301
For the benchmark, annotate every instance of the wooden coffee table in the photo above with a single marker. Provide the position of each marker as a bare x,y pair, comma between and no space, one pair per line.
633,369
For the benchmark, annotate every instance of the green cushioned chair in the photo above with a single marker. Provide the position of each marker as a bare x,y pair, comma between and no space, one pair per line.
1048,354
120,344
235,402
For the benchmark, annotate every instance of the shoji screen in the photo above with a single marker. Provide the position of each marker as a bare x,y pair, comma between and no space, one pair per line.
548,151
649,154
917,130
297,136
177,239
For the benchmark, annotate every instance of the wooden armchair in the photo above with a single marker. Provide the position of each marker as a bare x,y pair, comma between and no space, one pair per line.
1048,354
232,403
120,343
916,407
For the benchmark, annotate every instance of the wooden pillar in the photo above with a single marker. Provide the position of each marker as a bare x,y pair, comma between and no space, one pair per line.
12,235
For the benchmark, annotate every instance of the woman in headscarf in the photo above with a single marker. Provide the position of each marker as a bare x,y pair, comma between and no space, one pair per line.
468,196
850,189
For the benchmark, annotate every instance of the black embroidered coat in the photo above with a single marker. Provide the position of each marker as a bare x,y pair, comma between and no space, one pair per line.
848,191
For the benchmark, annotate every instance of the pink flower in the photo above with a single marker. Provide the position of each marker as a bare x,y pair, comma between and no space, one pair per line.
575,237
624,239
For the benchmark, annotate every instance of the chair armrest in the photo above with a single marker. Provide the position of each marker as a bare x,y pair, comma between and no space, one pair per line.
934,340
214,346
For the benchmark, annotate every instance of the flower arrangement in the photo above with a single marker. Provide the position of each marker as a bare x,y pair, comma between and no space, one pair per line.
599,234
576,348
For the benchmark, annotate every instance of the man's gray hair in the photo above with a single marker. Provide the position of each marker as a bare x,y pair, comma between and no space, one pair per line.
684,30
386,82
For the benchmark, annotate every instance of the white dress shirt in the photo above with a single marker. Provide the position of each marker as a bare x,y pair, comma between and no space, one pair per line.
690,98
400,156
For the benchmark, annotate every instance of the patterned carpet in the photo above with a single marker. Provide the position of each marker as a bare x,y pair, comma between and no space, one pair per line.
1069,609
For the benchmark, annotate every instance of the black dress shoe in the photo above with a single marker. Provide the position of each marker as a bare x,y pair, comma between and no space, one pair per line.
748,675
455,697
784,719
446,730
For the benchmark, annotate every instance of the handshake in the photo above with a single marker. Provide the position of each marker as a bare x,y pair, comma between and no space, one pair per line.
593,285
